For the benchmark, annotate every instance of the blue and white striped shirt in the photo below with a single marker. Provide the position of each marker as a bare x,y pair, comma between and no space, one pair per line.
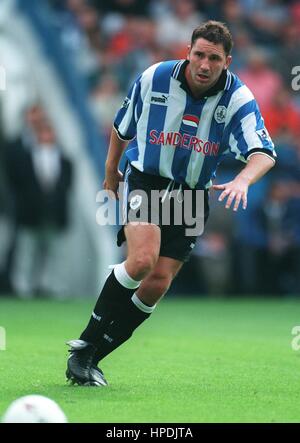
176,136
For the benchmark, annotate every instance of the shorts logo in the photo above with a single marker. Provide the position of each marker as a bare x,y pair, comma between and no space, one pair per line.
135,202
190,120
158,98
220,114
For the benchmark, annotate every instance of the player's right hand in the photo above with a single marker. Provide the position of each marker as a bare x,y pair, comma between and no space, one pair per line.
111,182
235,191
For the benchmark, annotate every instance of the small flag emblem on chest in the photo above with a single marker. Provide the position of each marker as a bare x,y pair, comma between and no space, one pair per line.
190,120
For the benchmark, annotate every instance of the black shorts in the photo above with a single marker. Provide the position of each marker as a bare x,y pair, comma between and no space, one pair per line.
144,199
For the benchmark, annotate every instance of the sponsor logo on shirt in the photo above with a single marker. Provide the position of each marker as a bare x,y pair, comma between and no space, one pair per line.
185,141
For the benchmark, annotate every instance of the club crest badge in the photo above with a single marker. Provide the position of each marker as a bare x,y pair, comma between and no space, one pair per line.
220,114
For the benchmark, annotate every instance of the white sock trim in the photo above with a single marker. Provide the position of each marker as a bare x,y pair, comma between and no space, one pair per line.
123,278
139,304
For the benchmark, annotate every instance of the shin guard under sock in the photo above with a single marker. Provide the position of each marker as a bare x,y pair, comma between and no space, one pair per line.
129,317
116,291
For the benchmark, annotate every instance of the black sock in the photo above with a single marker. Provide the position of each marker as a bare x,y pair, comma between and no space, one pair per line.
127,319
112,298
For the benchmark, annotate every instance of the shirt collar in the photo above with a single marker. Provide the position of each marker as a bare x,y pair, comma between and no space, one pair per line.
223,83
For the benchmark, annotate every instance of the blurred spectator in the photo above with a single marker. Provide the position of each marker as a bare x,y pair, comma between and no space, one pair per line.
243,44
262,80
105,101
211,9
40,179
174,27
210,268
79,27
213,261
124,40
295,13
123,7
282,218
249,244
282,118
145,52
267,19
288,55
233,13
6,226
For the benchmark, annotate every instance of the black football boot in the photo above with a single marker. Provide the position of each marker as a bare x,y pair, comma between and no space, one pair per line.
81,367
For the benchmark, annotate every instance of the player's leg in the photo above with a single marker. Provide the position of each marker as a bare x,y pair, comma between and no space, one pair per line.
175,249
157,283
143,243
143,249
139,306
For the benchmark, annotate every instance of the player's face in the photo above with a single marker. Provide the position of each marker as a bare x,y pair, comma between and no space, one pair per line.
207,61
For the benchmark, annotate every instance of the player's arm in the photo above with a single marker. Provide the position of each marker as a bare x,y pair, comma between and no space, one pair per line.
123,131
237,189
113,175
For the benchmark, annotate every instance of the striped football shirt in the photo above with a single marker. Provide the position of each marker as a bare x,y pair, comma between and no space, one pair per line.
174,135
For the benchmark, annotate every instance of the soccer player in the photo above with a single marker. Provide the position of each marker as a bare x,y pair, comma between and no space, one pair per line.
180,118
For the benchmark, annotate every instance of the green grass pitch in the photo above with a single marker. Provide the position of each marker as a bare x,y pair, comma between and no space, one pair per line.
194,361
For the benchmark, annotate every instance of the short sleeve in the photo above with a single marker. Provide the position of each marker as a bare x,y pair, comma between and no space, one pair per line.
247,134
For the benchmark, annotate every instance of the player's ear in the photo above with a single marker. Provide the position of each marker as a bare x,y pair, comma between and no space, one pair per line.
189,51
228,61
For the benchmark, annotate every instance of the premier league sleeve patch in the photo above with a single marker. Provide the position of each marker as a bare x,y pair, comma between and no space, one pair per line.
263,135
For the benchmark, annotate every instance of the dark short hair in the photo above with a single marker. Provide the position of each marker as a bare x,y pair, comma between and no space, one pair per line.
215,32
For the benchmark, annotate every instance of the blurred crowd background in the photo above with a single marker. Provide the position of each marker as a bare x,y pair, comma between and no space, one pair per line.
68,65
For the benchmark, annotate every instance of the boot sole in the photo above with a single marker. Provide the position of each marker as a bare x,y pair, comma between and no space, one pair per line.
75,381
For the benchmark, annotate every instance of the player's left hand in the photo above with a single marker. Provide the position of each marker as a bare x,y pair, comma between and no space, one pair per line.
236,191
